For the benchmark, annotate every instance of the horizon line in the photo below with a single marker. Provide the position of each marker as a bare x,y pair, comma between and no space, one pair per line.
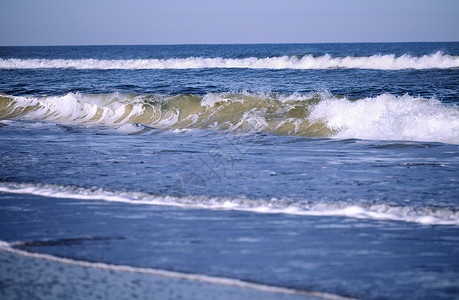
219,44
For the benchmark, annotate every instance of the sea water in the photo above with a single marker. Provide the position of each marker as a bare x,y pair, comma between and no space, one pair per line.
318,167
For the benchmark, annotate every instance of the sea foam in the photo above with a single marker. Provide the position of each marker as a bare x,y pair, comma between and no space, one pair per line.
388,117
437,60
422,215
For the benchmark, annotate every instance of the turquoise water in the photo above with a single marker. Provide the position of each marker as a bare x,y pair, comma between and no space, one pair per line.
324,167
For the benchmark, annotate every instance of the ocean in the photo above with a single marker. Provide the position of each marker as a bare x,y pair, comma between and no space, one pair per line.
328,169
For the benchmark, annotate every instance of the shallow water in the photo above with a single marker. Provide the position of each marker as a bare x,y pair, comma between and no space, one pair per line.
340,176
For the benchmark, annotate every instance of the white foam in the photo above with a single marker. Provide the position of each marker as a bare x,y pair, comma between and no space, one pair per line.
132,129
422,215
209,100
388,117
437,60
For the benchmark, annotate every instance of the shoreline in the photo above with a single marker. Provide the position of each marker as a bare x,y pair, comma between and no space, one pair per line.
25,274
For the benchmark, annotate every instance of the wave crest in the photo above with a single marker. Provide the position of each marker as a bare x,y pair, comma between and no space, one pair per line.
385,117
437,60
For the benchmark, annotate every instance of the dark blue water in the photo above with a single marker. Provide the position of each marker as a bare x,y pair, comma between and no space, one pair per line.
284,171
354,82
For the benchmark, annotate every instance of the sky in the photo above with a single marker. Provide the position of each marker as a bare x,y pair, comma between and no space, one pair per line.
133,22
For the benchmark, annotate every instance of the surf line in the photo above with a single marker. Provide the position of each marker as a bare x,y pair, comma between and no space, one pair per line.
9,247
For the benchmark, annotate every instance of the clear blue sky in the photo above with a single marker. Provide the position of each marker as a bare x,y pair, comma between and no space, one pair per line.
100,22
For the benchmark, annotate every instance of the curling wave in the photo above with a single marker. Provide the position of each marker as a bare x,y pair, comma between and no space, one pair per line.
422,215
437,60
384,117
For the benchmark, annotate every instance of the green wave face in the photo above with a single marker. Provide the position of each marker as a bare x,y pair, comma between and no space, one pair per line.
287,115
384,117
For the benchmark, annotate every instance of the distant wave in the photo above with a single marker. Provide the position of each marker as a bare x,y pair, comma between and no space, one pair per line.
422,215
384,117
378,62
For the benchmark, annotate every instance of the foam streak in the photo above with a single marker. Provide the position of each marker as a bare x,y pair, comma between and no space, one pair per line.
426,215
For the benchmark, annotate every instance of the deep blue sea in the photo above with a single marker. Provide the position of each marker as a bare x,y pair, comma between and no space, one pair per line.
319,167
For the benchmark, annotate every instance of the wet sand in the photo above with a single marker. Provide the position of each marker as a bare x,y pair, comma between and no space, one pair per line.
26,277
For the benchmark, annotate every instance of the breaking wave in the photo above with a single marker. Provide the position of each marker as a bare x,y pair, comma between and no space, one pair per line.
422,215
437,60
384,117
